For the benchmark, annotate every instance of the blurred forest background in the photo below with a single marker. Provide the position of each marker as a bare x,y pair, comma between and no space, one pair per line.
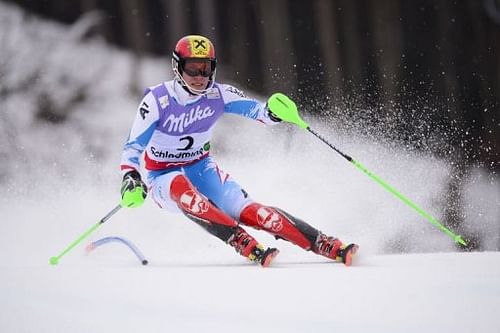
424,74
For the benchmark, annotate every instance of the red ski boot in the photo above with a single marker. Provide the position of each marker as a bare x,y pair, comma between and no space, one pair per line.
333,248
346,252
248,247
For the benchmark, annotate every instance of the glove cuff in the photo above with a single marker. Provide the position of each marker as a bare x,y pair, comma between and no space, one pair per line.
273,117
134,174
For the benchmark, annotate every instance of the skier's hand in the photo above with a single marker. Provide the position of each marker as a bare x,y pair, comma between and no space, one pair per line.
272,116
133,190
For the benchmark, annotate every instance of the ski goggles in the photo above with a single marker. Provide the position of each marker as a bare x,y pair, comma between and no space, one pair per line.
196,67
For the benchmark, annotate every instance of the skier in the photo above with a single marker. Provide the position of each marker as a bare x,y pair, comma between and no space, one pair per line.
173,127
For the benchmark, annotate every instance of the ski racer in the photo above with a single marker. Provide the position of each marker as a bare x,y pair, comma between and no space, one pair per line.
172,131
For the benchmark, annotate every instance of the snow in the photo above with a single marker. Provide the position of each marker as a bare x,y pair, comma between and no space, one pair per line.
385,293
61,180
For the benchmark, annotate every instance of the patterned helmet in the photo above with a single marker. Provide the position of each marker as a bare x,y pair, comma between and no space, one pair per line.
193,47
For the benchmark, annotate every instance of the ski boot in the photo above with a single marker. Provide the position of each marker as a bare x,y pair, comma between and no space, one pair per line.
248,247
262,256
346,252
333,248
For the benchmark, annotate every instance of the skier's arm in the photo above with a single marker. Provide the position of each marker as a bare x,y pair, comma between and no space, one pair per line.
133,189
142,129
236,102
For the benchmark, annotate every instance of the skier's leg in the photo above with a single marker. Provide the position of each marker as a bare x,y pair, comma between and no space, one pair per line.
228,195
174,187
199,209
215,184
290,228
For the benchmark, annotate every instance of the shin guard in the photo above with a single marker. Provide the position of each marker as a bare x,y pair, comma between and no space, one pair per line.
200,210
280,224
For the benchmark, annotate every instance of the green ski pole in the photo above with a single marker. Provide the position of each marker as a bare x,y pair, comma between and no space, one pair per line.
55,260
284,108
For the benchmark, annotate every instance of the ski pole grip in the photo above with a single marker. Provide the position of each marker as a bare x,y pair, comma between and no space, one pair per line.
285,109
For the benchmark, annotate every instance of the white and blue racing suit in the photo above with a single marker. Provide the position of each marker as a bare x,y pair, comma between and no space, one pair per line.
173,129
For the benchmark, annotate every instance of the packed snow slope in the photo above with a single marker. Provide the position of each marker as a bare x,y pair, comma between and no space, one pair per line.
60,178
217,292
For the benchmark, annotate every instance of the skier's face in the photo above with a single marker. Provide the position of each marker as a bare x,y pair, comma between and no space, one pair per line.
197,73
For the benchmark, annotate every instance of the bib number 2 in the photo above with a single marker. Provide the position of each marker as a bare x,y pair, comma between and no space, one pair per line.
189,142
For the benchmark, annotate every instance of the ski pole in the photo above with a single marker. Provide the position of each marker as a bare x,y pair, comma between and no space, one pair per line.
285,109
55,260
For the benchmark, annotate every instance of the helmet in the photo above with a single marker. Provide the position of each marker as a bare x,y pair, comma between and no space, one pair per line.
194,48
